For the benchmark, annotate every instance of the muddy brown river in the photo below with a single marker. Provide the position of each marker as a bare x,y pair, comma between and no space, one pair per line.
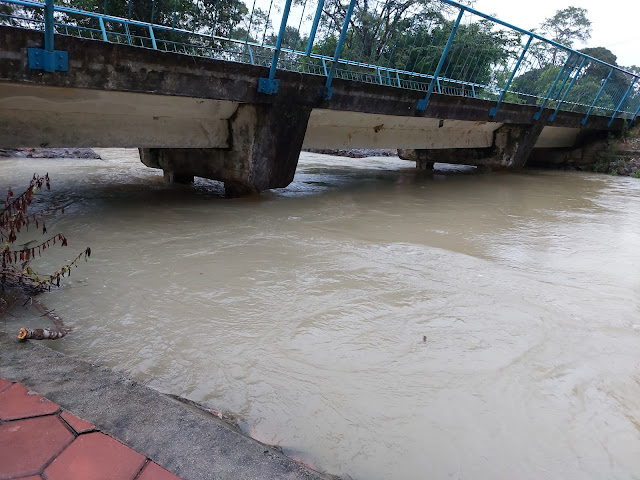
304,310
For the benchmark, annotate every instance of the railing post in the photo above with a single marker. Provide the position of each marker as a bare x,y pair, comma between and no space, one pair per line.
422,104
314,27
48,26
595,100
153,38
104,30
48,58
250,53
566,92
553,87
494,110
328,89
270,85
626,94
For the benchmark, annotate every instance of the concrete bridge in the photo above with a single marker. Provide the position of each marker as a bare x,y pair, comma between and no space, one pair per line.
237,123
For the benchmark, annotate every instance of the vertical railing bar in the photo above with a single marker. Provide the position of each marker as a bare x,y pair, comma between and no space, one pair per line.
633,119
104,31
379,76
48,26
175,12
494,110
276,53
153,38
564,82
622,101
126,27
264,34
422,104
566,92
553,87
314,27
250,53
595,100
246,40
345,27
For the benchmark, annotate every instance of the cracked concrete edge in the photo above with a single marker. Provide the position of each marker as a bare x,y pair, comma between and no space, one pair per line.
185,441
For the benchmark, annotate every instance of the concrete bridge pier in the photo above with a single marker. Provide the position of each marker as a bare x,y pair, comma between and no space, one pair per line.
265,141
418,155
511,147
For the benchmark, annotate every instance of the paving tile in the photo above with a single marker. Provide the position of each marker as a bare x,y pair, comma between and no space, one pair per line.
153,471
4,383
95,456
18,401
27,445
78,425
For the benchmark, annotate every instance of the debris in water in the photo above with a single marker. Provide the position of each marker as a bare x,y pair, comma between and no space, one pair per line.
424,339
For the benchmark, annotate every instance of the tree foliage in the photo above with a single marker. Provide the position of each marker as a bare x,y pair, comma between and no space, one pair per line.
16,272
568,26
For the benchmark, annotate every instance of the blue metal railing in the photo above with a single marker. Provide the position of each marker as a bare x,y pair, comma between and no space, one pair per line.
439,46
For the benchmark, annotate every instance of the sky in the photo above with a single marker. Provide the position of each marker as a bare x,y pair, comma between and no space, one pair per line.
614,23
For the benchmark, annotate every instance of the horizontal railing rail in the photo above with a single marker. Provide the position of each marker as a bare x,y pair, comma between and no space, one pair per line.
440,46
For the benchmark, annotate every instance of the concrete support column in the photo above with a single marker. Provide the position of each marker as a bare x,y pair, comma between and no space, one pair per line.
512,146
265,143
420,156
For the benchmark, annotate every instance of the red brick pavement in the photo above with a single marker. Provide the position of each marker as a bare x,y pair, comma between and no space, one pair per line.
40,441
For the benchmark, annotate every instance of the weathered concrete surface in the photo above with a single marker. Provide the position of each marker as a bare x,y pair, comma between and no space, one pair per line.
510,148
111,67
41,116
194,446
335,129
79,117
185,112
265,145
420,156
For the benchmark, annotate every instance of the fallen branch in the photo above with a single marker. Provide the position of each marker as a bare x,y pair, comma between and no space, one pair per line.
40,334
57,321
44,333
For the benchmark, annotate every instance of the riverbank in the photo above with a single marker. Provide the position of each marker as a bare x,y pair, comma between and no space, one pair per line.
610,155
354,152
49,153
189,442
38,438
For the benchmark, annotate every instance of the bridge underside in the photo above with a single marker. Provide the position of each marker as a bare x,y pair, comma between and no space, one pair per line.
200,117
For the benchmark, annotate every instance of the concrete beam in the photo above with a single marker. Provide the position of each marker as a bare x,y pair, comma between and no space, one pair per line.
334,129
265,143
511,147
43,116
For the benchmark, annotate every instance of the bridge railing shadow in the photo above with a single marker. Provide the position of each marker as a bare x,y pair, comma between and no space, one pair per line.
439,46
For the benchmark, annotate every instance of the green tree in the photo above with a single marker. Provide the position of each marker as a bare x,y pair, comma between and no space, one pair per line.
568,26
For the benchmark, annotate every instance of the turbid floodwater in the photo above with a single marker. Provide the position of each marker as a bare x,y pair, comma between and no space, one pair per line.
304,310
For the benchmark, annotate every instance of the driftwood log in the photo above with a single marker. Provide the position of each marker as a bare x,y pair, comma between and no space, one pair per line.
44,333
39,334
